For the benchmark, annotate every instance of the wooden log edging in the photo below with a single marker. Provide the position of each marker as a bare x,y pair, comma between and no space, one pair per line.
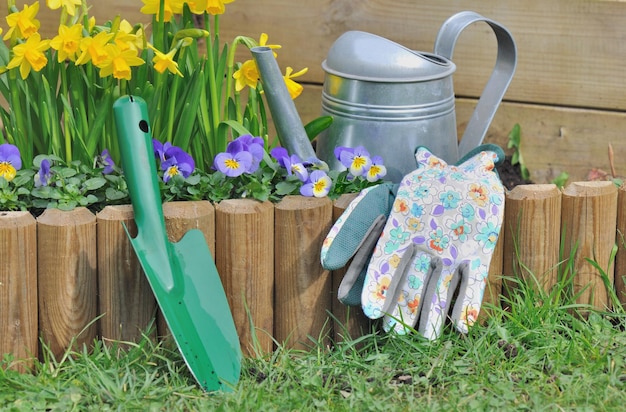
66,268
18,288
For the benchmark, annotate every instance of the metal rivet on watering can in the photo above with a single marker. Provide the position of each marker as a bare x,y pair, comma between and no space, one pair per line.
392,100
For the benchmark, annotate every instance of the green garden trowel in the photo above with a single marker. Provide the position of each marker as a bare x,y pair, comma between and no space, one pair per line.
182,275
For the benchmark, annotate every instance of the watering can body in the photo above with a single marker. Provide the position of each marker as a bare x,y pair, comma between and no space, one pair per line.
391,99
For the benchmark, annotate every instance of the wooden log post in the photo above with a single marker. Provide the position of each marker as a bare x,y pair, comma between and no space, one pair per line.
303,287
126,303
349,322
244,255
588,217
66,251
532,233
620,239
18,289
181,217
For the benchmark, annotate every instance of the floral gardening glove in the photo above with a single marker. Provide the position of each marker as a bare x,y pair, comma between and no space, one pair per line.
354,235
442,231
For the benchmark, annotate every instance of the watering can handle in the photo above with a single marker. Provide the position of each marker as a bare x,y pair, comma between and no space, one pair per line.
498,82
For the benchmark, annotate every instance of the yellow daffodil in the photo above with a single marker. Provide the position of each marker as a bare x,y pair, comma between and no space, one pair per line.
29,55
170,8
119,62
217,6
247,75
91,23
263,42
69,5
23,24
294,88
93,49
164,61
197,6
126,39
67,42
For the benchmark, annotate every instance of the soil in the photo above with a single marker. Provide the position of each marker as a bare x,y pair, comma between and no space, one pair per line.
511,175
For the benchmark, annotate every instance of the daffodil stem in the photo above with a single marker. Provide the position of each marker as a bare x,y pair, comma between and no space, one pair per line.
230,72
66,119
171,110
16,108
214,107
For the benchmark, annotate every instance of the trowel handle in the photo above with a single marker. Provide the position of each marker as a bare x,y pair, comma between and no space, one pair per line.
139,165
499,81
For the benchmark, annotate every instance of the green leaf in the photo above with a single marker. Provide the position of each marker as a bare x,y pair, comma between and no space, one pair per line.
94,183
316,126
515,136
285,188
237,127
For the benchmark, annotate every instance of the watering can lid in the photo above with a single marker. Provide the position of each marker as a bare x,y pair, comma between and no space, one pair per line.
365,56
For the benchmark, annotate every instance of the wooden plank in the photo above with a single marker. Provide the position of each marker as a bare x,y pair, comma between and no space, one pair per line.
570,51
68,277
554,139
18,289
588,219
302,299
244,256
532,235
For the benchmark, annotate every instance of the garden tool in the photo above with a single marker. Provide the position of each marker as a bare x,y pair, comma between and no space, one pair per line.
182,275
440,235
391,99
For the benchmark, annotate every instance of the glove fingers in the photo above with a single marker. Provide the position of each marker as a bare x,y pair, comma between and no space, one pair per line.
439,291
383,283
349,292
471,291
410,300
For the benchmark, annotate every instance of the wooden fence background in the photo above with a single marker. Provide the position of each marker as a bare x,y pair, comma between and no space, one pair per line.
568,93
63,270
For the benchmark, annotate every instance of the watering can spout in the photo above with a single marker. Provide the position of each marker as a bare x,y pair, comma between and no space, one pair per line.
291,133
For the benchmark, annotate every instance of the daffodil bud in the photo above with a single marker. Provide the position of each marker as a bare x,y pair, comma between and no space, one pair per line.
192,33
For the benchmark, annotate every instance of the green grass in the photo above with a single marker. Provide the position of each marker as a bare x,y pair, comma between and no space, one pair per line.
537,355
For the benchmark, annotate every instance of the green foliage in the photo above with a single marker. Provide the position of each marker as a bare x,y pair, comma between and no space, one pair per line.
515,142
561,180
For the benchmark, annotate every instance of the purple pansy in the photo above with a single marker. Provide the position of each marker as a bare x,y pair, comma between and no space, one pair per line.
357,161
42,178
178,162
377,169
318,185
292,163
160,149
10,161
254,146
107,162
234,161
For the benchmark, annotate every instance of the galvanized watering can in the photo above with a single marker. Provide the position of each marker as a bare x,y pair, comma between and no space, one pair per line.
391,100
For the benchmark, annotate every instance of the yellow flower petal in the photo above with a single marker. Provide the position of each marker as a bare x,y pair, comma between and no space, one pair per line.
247,75
30,55
23,24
